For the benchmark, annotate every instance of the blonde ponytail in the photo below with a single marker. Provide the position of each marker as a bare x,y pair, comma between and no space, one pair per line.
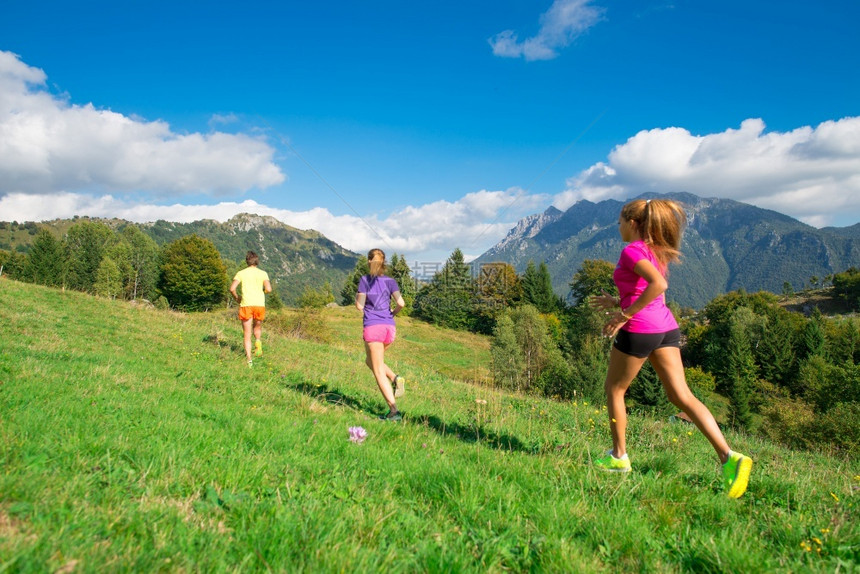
661,224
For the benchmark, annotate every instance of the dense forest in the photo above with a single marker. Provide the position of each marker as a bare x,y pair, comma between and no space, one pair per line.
759,366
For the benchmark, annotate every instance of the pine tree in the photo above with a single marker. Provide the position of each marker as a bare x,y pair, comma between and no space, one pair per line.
775,351
812,341
12,265
448,299
46,263
350,286
530,283
741,371
85,243
399,270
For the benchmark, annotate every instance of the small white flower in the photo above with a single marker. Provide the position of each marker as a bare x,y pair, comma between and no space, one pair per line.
357,434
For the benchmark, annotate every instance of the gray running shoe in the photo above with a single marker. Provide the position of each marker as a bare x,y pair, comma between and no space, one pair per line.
399,386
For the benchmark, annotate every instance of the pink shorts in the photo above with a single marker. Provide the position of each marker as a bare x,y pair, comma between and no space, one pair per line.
380,334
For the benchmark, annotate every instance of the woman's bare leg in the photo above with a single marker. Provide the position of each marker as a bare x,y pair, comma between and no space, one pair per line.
670,369
376,362
247,329
623,369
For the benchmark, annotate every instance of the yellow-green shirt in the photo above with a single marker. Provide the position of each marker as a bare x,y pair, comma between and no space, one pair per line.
251,280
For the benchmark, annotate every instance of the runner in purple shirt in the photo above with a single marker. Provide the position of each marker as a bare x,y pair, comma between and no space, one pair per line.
374,295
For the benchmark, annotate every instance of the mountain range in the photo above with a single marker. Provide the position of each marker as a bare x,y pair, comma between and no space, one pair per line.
728,245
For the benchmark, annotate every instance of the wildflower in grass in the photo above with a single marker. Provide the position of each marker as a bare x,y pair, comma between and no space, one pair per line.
836,498
357,434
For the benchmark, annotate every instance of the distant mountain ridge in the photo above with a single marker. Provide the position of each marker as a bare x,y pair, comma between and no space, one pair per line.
728,245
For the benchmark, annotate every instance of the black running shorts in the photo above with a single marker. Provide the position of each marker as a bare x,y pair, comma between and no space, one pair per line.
643,344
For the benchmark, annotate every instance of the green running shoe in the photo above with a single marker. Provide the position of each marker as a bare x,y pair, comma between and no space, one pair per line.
611,464
736,474
393,416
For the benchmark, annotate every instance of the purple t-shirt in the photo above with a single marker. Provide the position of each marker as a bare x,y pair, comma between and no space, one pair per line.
656,316
377,306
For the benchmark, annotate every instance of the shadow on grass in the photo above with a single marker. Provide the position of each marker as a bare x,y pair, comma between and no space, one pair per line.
326,394
222,344
476,435
491,439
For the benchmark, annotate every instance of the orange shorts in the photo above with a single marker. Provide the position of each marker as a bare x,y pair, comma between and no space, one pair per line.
258,313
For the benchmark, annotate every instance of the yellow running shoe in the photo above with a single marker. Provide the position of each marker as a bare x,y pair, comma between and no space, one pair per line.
258,348
611,464
736,474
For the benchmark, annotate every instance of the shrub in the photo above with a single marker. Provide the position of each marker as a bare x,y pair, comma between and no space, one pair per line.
307,324
317,298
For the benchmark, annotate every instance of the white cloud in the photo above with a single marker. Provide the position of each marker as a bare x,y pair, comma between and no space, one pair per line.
812,174
428,232
49,145
559,26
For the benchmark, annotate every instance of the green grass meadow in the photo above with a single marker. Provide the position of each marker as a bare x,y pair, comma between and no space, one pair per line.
137,440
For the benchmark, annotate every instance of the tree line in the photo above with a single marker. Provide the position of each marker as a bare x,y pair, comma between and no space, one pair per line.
188,274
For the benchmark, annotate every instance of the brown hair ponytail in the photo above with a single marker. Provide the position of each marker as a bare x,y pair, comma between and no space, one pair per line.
376,260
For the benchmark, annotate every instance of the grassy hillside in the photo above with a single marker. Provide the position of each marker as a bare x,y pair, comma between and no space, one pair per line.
134,440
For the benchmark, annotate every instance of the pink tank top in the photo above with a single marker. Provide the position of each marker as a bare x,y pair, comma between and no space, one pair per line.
656,316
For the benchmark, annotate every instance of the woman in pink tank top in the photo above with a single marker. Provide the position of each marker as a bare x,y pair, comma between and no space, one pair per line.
645,330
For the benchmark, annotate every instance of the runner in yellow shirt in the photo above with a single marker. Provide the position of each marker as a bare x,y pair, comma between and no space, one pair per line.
252,304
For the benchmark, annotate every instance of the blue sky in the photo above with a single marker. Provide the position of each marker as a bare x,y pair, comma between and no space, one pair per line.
424,127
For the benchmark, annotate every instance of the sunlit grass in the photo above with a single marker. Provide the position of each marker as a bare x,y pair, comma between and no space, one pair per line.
138,440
